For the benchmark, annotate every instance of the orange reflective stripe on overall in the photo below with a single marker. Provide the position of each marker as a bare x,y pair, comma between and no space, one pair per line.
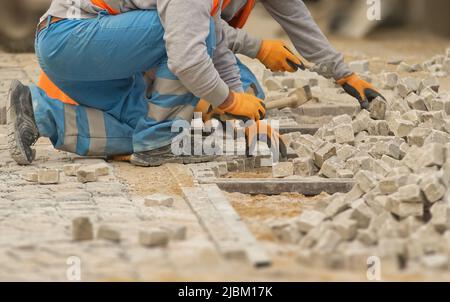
53,91
106,6
241,17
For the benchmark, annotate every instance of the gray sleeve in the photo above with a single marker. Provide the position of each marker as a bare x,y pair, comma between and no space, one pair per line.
305,34
187,26
239,41
225,61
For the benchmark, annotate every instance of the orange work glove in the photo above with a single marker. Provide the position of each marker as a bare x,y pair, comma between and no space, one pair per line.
276,56
244,107
359,89
206,109
262,131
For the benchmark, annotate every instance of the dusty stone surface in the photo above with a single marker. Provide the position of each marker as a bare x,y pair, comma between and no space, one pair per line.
39,248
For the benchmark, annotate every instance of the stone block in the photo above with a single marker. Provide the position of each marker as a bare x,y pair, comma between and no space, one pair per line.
71,169
359,66
309,220
101,169
345,152
402,90
404,67
361,121
344,134
366,237
390,80
324,152
410,194
48,176
108,233
232,166
434,155
286,232
346,228
282,169
378,109
388,185
154,238
273,84
380,128
331,167
389,148
86,174
431,82
304,166
82,229
440,216
337,205
401,128
416,102
418,135
345,173
381,168
412,116
432,188
437,137
31,176
404,209
366,181
341,119
361,213
328,242
412,84
158,200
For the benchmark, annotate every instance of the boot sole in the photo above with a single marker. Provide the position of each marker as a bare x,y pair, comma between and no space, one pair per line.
16,148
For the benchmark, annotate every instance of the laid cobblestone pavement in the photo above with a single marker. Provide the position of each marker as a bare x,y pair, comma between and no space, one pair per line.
36,220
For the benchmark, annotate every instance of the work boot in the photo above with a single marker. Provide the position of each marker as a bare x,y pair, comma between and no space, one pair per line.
22,129
164,155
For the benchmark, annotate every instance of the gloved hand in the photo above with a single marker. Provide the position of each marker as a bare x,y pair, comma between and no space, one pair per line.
243,106
276,56
262,131
206,109
360,89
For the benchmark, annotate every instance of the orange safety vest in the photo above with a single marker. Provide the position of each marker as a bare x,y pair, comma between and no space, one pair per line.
238,21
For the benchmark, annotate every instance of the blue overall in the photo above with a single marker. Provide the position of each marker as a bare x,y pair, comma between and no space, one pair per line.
100,63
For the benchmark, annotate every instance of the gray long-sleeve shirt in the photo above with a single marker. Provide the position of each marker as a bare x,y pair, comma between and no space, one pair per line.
187,26
295,18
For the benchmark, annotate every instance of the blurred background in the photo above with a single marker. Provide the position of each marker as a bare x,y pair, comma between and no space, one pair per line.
338,18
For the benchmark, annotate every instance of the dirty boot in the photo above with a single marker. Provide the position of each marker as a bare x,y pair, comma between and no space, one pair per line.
164,155
22,129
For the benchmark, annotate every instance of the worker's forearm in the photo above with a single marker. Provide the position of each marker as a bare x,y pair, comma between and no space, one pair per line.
225,61
296,20
240,42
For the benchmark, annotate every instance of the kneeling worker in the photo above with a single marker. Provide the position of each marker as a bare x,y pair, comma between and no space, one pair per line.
91,99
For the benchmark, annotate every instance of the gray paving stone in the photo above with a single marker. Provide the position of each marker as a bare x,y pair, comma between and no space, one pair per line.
48,176
154,238
82,229
156,200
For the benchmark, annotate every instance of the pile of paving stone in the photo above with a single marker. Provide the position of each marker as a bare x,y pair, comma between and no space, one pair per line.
399,155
